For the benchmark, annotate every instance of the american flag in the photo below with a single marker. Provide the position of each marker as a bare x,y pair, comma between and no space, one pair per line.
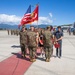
27,17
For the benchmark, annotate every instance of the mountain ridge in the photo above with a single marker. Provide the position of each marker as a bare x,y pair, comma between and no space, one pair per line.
7,26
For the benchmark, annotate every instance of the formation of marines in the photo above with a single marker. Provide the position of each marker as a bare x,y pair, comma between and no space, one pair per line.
13,32
31,39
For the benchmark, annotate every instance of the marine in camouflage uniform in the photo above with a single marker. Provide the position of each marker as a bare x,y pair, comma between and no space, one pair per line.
48,46
11,32
23,41
8,31
17,32
32,43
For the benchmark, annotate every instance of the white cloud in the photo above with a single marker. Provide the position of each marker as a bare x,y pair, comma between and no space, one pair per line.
51,15
9,19
43,20
13,19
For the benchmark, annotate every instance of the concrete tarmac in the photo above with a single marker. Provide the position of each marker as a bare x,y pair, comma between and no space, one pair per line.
8,45
57,66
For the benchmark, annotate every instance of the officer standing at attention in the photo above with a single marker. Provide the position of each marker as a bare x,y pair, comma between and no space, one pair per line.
48,46
8,31
23,41
11,32
58,38
32,43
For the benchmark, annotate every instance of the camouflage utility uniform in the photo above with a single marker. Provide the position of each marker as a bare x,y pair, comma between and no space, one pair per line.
23,42
11,32
8,31
48,46
17,32
32,44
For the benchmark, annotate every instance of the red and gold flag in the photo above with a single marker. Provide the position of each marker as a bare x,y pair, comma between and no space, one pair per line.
34,15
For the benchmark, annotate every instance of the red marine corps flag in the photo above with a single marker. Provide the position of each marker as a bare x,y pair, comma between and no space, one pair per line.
34,15
26,18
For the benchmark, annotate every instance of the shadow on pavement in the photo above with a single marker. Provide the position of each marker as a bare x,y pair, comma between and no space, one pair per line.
15,46
20,57
39,58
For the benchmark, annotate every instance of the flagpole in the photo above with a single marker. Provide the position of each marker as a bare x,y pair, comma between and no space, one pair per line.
37,24
31,12
38,14
34,15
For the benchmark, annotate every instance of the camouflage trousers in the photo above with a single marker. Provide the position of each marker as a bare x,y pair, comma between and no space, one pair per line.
23,49
48,52
32,51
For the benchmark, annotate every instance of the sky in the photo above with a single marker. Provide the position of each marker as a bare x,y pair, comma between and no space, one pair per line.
52,12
